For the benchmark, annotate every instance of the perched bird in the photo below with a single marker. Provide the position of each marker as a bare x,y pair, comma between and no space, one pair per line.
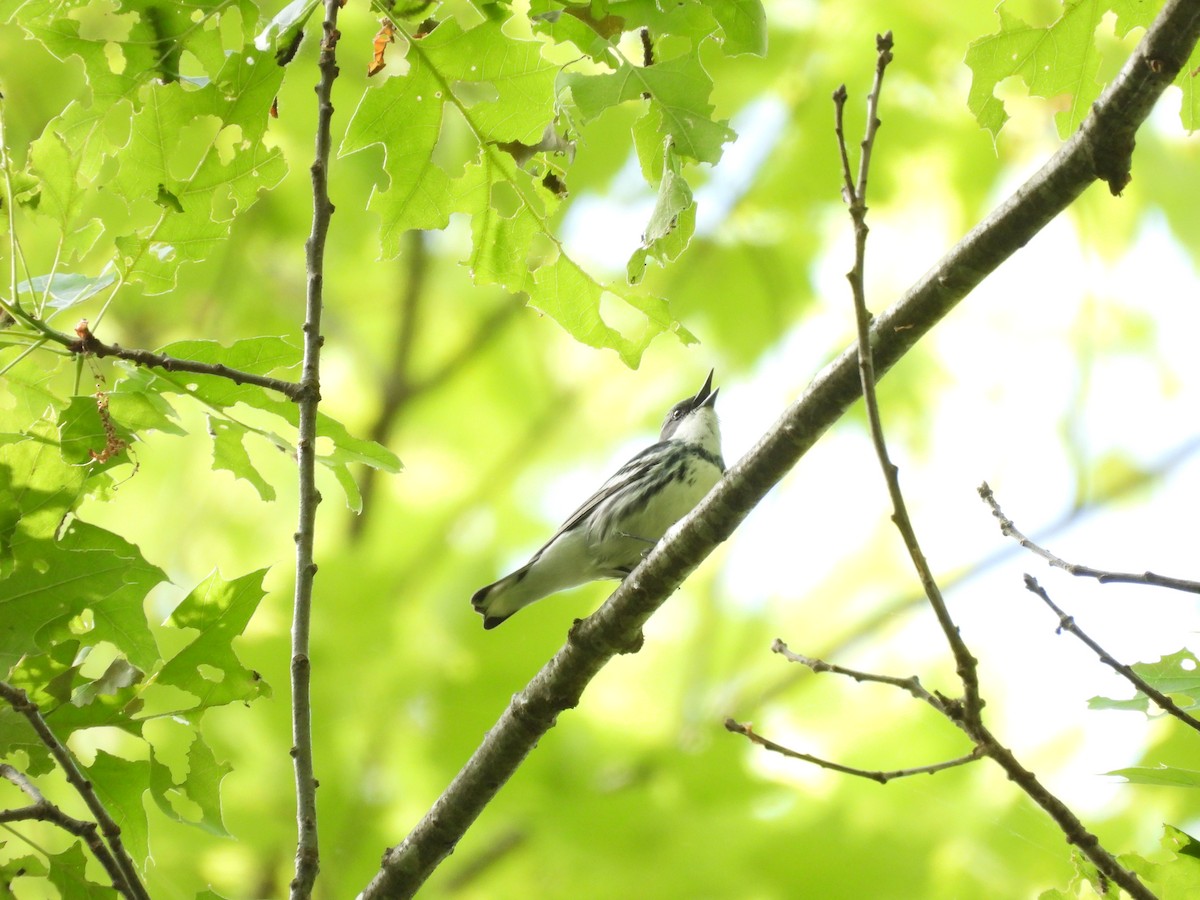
616,527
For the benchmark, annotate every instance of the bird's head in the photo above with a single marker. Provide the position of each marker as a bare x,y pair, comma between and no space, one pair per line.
694,420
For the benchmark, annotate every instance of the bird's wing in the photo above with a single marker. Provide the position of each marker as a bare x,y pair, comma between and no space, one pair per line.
635,470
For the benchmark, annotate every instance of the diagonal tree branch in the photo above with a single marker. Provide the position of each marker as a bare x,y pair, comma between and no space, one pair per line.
1100,149
1067,623
42,810
307,848
122,865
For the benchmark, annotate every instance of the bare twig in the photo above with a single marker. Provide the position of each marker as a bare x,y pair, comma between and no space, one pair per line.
889,612
42,810
912,685
857,199
128,880
1067,623
967,713
307,847
883,777
1008,529
1098,149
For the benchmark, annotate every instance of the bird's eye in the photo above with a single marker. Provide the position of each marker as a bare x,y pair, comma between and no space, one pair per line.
676,413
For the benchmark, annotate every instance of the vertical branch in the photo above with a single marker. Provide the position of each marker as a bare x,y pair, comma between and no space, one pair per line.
856,197
307,850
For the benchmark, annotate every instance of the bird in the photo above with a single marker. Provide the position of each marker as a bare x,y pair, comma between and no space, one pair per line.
613,530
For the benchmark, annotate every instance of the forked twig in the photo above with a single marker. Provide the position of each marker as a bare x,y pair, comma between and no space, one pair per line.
1008,529
126,878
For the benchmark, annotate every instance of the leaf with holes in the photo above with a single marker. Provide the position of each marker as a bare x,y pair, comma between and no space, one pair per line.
208,667
201,786
89,573
1177,675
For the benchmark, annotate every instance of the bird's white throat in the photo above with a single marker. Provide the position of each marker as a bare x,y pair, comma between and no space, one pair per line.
700,426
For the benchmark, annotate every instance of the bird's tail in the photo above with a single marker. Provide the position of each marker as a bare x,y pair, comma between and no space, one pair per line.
502,598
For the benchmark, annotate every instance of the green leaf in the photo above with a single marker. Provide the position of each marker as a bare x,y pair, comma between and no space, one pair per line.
208,668
1060,59
29,866
678,88
201,786
120,785
263,356
672,222
1169,776
61,197
188,148
509,208
229,453
82,433
48,678
196,205
54,582
744,23
68,873
63,290
1177,675
1179,876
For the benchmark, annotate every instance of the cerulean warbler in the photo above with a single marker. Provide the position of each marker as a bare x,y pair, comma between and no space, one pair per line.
615,527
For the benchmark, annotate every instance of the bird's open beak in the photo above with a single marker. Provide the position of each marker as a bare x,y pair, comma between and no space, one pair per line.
707,396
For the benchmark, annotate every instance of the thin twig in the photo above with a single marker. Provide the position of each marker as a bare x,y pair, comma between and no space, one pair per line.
307,847
85,343
889,612
965,663
1067,623
89,345
912,684
883,777
1008,529
967,713
42,810
123,863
